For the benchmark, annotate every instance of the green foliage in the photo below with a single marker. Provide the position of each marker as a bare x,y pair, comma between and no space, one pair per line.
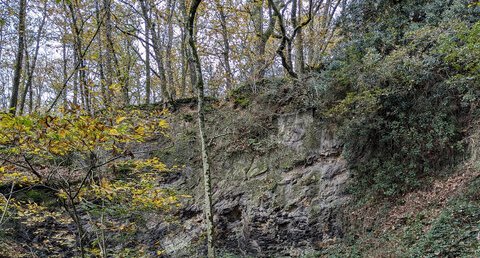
364,102
402,86
242,101
241,96
453,234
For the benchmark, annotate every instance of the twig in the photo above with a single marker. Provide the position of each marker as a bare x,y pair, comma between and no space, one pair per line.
14,163
6,204
32,169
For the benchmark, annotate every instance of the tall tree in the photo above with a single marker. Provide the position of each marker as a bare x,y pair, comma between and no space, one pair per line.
208,207
105,93
157,48
148,77
285,48
189,66
77,23
19,58
226,44
31,67
183,48
261,36
110,57
299,55
168,49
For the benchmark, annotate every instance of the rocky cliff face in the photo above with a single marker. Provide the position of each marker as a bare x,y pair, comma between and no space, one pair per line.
283,202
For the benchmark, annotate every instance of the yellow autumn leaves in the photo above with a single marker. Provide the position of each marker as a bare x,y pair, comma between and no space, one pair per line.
10,175
138,194
47,136
77,157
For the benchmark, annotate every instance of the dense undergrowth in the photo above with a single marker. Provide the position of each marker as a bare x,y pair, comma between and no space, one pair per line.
433,229
403,89
403,86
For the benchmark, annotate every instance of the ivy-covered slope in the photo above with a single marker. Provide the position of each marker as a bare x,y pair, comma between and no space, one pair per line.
404,86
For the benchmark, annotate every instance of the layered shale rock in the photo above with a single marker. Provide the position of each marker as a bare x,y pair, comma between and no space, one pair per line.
284,202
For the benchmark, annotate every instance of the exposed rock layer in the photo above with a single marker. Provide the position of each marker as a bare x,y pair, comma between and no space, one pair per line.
284,202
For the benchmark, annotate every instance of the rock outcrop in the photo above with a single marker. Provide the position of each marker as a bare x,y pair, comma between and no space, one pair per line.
284,202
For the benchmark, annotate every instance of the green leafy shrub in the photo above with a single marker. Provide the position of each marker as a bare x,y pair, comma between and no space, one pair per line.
402,86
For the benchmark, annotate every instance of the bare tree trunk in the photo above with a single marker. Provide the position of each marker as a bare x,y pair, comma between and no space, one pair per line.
184,47
156,45
208,208
161,68
148,75
111,57
190,63
147,16
65,63
261,36
2,25
226,46
125,70
30,99
289,54
257,17
19,57
286,40
285,43
299,55
111,62
192,73
168,50
183,63
103,90
75,83
39,94
310,44
109,50
32,66
82,79
25,73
